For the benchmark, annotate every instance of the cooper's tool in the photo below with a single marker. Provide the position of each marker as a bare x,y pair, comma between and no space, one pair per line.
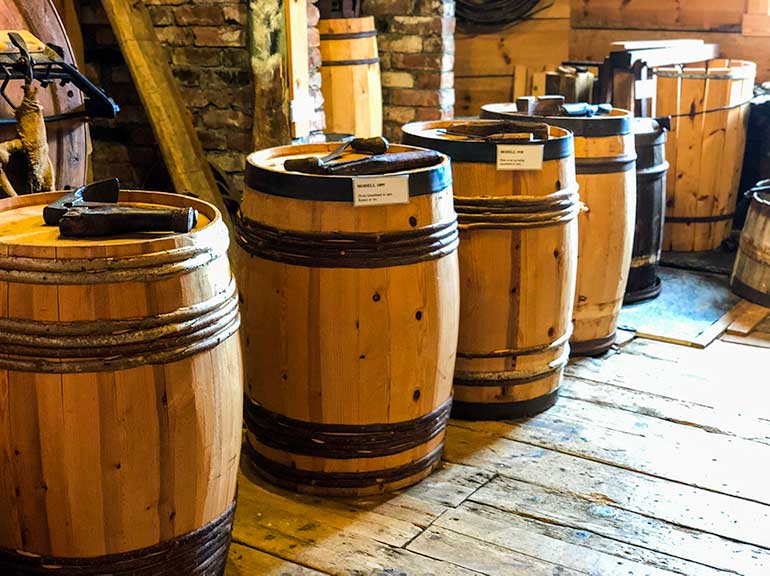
106,220
93,210
538,130
385,163
91,195
314,164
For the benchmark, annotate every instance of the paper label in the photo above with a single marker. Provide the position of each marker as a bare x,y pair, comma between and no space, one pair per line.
519,157
371,191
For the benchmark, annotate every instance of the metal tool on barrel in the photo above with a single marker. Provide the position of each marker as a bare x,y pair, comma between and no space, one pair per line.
93,210
377,160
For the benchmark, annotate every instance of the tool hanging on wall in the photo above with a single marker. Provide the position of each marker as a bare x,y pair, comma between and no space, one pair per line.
24,57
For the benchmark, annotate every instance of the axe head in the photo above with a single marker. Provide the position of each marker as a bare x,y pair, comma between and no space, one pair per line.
103,192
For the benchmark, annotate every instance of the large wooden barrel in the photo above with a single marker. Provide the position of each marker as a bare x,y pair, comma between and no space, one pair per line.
651,166
67,139
751,271
120,396
350,76
605,160
518,259
350,324
709,109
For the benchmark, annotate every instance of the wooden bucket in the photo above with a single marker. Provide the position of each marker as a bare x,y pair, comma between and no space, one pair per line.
751,272
518,259
651,166
350,325
350,76
67,139
709,108
120,396
604,160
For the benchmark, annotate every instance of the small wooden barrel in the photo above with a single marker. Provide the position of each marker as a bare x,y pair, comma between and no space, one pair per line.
605,161
121,396
709,109
651,167
518,260
751,272
67,139
350,324
350,76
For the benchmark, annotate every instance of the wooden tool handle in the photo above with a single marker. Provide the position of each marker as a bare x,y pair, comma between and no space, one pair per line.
110,221
386,163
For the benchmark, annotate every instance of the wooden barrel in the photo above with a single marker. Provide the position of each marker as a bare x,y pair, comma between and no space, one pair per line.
350,76
67,139
120,396
518,260
604,160
350,324
709,109
751,271
651,166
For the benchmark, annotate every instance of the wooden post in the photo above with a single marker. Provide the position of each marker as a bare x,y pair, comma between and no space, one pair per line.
756,20
171,121
268,49
301,106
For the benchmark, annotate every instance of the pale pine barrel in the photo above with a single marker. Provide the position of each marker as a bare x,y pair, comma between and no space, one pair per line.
709,108
350,76
120,396
350,320
518,261
651,167
67,139
751,271
605,160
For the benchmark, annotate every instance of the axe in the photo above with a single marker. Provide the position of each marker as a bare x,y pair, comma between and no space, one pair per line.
93,210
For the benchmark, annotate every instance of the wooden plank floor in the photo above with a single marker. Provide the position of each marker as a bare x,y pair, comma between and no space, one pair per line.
656,460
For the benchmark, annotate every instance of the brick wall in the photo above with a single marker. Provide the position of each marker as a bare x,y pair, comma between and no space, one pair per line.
206,43
416,44
318,121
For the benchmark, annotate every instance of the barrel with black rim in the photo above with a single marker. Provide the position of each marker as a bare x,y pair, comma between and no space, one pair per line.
751,271
350,323
350,76
605,160
121,396
651,167
518,260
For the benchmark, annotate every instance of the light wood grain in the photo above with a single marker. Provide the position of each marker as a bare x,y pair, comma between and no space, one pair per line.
352,93
113,460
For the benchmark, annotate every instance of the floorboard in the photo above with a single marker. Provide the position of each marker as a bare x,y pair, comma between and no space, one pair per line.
654,462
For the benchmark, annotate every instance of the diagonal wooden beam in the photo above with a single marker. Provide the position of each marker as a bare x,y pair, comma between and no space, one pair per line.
171,121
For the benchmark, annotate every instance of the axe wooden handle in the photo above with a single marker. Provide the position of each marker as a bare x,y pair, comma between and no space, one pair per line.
386,163
85,222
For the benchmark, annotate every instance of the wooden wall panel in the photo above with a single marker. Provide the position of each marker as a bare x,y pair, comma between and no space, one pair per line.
593,44
486,64
706,15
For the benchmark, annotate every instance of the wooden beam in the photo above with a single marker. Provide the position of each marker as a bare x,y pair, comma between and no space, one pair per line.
267,45
171,121
301,106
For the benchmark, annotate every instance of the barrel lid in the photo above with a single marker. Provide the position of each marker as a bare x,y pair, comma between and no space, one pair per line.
265,172
617,123
23,231
648,132
429,135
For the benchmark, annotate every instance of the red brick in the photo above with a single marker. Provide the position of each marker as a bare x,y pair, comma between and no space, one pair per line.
313,15
174,35
427,114
161,15
217,36
416,61
313,37
405,97
423,25
199,15
194,56
236,14
225,119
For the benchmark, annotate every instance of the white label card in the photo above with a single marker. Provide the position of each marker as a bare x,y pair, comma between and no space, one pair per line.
370,191
519,157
